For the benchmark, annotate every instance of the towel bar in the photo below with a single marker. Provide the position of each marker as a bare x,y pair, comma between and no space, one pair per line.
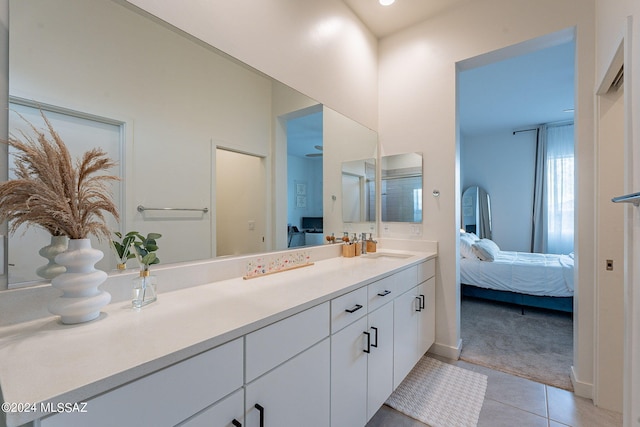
142,209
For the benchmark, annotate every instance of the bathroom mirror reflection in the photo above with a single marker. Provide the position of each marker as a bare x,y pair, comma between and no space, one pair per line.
359,191
176,102
401,187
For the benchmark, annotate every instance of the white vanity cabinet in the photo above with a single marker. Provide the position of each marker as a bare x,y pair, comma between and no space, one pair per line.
362,353
166,397
287,372
227,413
414,320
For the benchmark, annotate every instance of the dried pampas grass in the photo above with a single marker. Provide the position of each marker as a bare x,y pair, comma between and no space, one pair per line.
50,192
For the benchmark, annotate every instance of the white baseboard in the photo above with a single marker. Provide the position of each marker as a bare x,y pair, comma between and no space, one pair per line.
446,350
581,389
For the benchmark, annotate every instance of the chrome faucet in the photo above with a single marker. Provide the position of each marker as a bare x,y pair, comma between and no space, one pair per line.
364,243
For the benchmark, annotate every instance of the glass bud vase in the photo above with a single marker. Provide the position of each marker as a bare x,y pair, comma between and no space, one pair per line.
144,289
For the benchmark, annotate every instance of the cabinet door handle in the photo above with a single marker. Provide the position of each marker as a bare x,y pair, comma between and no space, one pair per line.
384,293
260,409
376,331
236,423
368,349
419,307
421,302
354,309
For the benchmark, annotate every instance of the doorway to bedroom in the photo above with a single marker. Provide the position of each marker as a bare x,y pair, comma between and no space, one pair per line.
516,150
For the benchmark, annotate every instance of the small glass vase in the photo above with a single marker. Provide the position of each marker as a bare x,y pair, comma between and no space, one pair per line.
144,289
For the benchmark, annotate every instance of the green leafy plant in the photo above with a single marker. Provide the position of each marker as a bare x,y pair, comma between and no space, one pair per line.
122,247
145,248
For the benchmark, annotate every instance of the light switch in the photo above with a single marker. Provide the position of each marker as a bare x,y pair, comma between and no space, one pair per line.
252,225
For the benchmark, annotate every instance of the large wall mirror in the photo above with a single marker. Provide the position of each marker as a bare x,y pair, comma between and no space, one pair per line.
401,182
175,105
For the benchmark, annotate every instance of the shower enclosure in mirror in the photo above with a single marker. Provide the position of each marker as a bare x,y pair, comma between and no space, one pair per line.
401,182
359,191
176,105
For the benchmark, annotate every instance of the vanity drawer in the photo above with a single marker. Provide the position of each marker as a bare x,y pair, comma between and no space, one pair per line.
406,279
348,308
165,397
426,270
381,292
272,345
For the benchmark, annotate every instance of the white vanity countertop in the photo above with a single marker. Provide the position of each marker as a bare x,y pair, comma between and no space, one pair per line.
45,361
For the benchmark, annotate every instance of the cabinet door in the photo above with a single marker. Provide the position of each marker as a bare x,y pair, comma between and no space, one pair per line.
380,360
427,323
405,334
222,413
294,394
165,397
349,375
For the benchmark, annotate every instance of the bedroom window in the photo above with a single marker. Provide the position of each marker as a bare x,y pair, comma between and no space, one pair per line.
560,189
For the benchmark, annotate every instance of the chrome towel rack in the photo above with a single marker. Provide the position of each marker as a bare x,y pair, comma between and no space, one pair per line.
628,198
143,208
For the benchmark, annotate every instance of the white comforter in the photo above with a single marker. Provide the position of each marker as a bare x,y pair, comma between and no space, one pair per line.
527,273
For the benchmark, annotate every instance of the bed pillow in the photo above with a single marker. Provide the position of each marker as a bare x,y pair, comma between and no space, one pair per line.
466,240
485,249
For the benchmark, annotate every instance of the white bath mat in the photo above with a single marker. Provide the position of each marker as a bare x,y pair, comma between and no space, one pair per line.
440,395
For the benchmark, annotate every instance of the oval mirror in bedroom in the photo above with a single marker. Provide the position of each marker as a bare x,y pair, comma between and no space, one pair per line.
476,212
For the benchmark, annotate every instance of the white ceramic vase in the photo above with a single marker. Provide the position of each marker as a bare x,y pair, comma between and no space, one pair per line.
52,269
81,299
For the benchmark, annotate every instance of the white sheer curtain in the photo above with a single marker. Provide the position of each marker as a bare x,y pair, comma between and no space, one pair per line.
554,190
559,178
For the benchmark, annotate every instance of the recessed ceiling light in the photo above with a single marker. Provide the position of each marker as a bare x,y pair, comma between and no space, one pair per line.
386,2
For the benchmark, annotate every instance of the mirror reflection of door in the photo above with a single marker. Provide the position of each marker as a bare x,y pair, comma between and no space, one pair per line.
240,203
304,177
476,212
80,133
352,201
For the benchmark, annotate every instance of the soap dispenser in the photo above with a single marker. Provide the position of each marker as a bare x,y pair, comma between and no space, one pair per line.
371,244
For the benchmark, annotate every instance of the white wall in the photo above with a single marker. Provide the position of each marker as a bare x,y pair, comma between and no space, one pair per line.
309,173
418,113
317,47
503,164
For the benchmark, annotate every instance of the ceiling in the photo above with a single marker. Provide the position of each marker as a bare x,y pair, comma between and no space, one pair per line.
385,20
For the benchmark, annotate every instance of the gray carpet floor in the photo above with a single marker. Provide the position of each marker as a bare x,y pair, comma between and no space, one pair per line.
537,345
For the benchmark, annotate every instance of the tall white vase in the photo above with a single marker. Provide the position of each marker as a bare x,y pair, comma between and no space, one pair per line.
81,299
52,269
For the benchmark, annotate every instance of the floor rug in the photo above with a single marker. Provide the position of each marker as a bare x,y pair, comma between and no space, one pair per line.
537,345
440,395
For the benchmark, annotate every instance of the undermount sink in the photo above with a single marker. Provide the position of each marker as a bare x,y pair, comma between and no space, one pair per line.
390,255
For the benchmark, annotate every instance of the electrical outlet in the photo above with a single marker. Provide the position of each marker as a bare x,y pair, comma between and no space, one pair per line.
609,265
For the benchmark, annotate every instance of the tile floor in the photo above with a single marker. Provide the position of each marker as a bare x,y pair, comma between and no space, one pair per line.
514,401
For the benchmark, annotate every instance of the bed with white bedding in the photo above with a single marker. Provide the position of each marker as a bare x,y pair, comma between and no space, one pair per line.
527,279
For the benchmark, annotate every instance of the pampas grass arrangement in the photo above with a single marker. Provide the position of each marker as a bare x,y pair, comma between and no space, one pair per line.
51,192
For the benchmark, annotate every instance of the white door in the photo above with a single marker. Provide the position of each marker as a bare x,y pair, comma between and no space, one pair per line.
294,394
405,335
240,203
80,134
349,375
380,360
427,323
